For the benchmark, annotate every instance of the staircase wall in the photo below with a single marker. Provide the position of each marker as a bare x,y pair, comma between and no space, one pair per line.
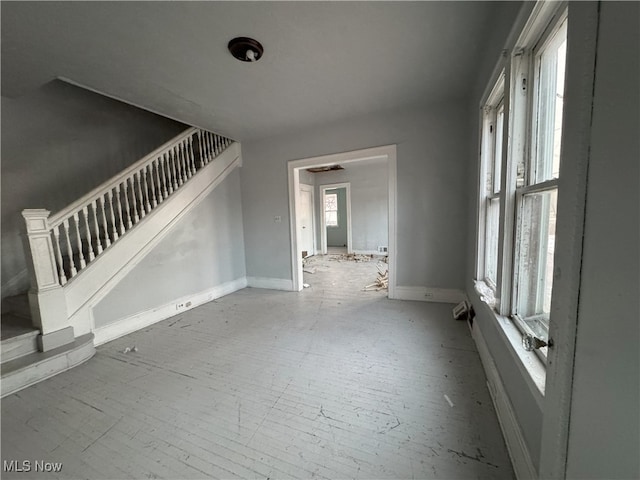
200,259
58,143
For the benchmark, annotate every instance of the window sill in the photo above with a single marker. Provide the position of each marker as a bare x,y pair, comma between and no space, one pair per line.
530,365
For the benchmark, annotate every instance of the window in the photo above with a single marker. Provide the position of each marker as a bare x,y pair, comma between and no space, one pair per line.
537,187
520,167
491,154
331,209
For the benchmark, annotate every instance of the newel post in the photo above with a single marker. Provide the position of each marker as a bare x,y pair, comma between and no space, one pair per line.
46,296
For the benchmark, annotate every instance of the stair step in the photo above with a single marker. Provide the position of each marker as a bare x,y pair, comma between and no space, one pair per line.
35,367
18,337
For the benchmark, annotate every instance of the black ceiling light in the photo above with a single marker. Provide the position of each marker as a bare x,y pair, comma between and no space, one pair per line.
246,49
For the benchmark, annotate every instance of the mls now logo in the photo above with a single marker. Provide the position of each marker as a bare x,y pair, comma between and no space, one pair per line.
28,466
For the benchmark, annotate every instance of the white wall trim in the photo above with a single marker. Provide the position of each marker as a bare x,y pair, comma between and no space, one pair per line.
270,283
388,153
143,319
323,220
516,445
427,294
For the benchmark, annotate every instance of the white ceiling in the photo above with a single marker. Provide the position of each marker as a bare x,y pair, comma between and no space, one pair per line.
323,61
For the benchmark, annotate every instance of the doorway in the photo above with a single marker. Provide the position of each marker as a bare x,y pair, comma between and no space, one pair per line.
386,154
336,217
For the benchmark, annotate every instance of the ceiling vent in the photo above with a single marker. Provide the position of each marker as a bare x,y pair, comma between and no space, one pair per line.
246,49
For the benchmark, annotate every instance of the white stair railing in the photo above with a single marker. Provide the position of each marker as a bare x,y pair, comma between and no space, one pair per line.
64,244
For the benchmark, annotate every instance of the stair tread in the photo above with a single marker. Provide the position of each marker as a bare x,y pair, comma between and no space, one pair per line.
15,326
26,361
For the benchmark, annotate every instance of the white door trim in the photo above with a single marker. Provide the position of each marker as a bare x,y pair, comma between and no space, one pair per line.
388,153
323,227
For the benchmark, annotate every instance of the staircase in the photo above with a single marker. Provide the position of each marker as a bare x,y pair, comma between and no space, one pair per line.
79,254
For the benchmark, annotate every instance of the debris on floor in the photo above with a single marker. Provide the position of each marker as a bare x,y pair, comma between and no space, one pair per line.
130,349
351,257
306,285
381,283
309,269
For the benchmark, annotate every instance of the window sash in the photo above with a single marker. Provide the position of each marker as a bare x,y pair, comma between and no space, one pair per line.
331,210
533,269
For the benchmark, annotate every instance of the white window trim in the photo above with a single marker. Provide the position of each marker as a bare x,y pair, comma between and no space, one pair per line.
545,19
495,97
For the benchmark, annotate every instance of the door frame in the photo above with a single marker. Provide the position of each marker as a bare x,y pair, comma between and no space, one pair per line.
310,189
323,226
388,153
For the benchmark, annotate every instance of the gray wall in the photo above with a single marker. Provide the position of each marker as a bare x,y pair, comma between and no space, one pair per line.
203,250
369,202
58,143
430,174
603,437
337,236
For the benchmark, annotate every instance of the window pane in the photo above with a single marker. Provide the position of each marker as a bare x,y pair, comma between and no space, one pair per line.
537,230
331,202
331,219
550,68
491,241
497,158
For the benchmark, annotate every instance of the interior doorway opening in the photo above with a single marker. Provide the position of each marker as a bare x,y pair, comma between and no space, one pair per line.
385,157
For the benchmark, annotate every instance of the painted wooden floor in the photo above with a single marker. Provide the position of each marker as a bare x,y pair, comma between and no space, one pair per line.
331,382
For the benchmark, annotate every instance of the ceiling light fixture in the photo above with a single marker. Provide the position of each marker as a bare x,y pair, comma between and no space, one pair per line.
246,49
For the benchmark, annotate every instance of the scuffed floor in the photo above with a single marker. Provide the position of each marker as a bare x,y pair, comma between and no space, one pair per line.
331,382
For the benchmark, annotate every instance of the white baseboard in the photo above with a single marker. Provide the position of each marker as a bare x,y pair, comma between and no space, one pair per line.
270,283
518,451
425,294
149,317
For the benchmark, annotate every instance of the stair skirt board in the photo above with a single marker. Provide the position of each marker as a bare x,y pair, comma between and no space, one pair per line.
98,278
31,369
141,320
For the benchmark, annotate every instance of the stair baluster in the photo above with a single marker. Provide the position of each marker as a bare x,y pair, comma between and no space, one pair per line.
119,204
174,176
127,209
145,190
192,158
85,214
59,262
83,263
114,228
134,204
163,161
156,167
140,195
97,228
107,239
72,265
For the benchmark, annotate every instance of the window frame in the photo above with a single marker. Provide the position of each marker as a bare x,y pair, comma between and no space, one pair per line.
518,68
491,190
325,211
